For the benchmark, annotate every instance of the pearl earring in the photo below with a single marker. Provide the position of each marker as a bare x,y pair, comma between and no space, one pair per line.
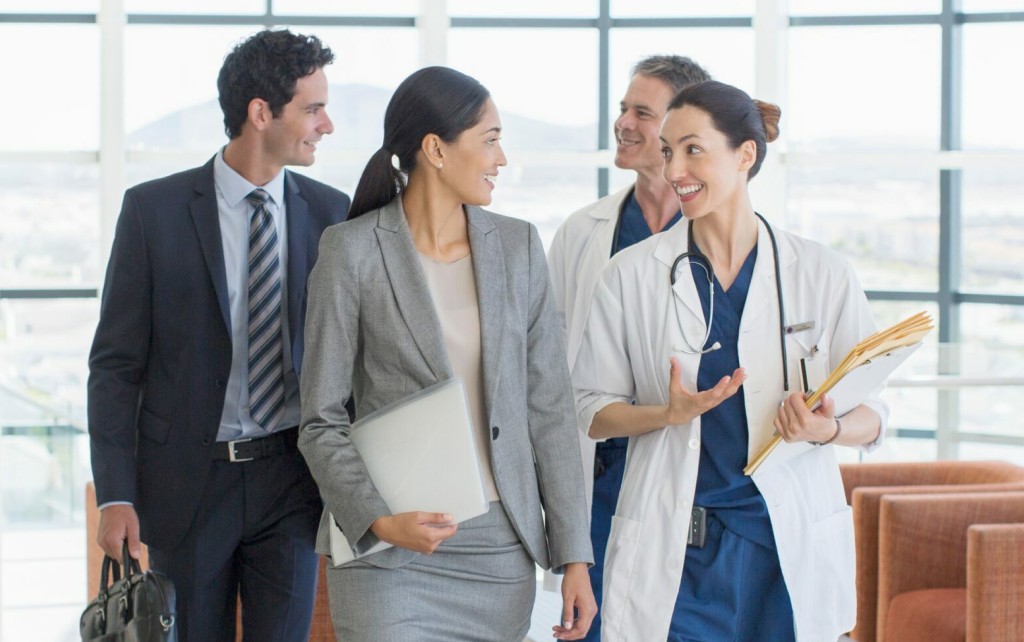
440,165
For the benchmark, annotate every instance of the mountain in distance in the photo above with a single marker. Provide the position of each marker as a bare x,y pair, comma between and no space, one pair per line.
357,111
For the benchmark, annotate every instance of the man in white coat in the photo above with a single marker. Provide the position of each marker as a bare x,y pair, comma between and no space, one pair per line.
588,239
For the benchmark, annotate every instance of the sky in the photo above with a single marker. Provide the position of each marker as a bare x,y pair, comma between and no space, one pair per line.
838,87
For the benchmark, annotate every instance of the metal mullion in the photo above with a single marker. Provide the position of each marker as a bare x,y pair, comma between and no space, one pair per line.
950,228
989,18
685,23
913,433
264,19
604,25
950,180
989,299
898,295
864,21
46,293
524,23
48,18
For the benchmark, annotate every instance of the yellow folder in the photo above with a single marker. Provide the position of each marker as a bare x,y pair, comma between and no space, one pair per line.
908,332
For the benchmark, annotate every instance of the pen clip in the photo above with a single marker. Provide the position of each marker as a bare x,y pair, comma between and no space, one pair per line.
803,374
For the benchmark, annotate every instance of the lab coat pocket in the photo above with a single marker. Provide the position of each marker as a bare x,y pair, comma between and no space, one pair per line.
808,353
620,562
833,582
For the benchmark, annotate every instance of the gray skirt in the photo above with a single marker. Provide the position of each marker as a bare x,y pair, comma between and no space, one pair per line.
478,585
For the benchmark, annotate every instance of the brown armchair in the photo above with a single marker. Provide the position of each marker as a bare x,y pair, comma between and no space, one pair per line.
948,572
322,631
866,484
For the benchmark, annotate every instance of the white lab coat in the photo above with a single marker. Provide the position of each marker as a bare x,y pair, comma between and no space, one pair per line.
580,251
630,333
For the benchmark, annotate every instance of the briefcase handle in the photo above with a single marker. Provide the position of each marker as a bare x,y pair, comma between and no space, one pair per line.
108,563
130,564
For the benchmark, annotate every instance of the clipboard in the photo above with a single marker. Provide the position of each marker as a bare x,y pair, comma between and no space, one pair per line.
420,452
847,393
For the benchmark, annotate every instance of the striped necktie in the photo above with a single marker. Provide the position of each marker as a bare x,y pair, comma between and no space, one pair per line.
266,358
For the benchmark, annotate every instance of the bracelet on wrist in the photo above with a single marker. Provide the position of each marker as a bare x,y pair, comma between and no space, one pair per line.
839,430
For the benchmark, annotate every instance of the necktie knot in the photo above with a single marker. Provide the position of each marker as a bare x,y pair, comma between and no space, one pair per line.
258,197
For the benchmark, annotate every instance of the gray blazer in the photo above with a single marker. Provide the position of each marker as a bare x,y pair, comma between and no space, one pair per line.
372,332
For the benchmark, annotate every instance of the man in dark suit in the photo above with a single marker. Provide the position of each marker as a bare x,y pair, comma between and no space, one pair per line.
193,384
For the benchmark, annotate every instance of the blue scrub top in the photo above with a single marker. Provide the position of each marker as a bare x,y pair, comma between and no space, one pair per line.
732,588
633,226
721,484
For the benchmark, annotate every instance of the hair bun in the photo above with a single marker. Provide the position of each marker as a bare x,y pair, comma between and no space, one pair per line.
770,114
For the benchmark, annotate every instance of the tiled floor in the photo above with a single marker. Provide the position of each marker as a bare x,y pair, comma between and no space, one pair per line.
42,589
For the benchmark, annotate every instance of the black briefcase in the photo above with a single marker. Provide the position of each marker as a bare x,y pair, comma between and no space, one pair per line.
139,607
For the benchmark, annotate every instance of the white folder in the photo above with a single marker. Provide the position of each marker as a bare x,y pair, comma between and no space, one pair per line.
421,455
848,393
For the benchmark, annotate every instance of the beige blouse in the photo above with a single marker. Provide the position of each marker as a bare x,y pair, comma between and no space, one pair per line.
453,288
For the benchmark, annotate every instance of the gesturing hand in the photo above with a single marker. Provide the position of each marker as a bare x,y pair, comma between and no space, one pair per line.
416,531
684,406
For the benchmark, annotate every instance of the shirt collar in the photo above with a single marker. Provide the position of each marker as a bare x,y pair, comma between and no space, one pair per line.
234,187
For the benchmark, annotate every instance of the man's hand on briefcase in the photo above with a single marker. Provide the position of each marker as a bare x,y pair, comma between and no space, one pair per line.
118,522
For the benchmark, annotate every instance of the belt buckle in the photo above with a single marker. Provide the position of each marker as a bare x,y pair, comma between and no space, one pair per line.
231,451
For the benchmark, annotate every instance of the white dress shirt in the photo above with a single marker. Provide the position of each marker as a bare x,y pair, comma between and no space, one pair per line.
235,214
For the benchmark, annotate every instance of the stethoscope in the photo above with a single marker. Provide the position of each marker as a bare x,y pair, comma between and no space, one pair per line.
693,256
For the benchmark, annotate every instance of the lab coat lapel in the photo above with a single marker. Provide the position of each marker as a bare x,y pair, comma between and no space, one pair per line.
759,350
670,245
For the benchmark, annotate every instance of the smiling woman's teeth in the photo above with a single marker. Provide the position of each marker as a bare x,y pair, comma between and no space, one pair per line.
627,143
490,178
689,189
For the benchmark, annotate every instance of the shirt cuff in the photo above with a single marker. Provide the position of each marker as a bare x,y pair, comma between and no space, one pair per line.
102,506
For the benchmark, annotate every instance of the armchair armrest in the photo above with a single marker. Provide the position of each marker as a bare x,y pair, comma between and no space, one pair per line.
995,582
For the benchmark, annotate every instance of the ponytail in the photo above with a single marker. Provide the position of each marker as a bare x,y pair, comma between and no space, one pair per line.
433,100
379,185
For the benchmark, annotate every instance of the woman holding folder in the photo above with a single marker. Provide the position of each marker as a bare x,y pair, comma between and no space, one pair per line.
683,352
418,286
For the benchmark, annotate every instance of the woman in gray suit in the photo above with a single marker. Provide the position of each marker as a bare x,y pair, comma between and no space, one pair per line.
419,285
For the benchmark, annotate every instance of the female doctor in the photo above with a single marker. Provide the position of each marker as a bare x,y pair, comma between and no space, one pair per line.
683,352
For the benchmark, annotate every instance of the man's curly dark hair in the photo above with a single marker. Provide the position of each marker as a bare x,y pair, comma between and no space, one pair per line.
266,66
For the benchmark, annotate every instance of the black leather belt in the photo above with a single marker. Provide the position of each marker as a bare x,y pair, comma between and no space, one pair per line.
240,450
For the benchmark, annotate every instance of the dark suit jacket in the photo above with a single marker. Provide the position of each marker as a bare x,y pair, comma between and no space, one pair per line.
162,352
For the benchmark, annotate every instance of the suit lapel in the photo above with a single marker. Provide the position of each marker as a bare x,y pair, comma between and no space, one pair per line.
410,287
206,218
489,269
298,224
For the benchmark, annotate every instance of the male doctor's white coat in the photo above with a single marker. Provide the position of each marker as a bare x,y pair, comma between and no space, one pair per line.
579,252
629,335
